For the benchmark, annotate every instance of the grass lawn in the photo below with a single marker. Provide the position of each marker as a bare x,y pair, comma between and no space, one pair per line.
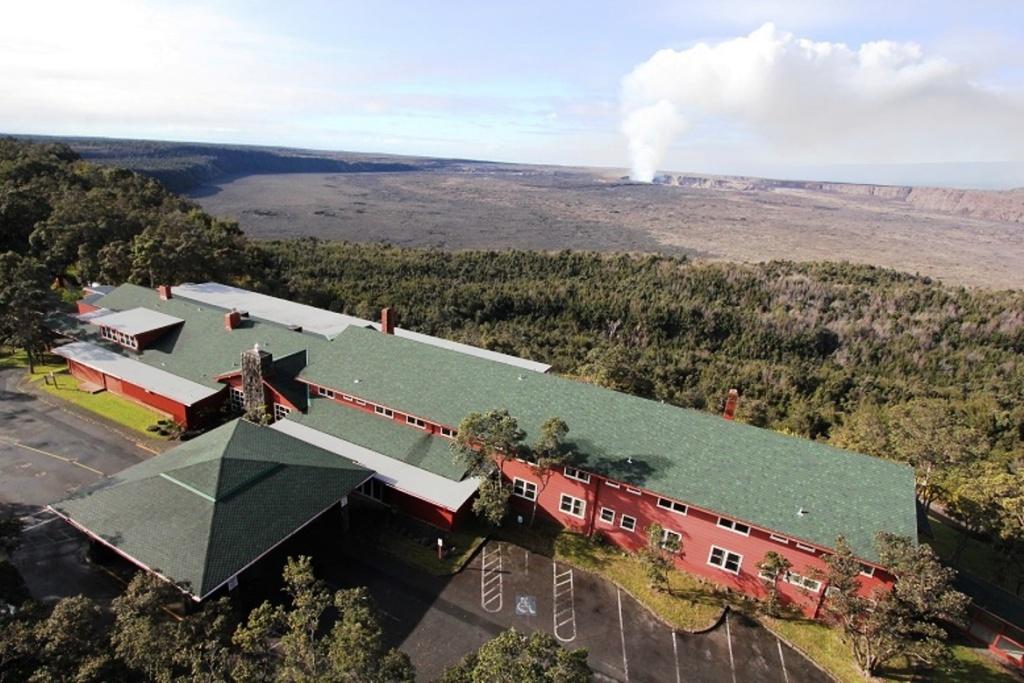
424,557
110,406
978,558
19,359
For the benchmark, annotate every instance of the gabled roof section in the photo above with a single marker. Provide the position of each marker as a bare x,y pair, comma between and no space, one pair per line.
326,323
743,472
130,370
200,513
136,321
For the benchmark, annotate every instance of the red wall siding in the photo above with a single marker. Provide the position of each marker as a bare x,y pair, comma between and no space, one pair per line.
165,405
421,509
699,530
85,308
85,374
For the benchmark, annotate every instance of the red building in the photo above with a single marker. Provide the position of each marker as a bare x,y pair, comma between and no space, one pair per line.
728,493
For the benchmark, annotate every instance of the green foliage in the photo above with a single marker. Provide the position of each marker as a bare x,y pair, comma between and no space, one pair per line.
483,442
513,657
771,568
25,302
491,502
656,556
352,650
903,623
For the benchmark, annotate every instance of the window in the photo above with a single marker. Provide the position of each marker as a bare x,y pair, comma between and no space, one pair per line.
635,492
608,515
415,421
578,475
325,392
867,570
236,399
572,506
524,489
737,527
831,592
671,540
779,539
725,559
372,488
628,523
346,397
611,484
360,402
803,581
280,411
447,431
386,412
667,504
767,576
807,548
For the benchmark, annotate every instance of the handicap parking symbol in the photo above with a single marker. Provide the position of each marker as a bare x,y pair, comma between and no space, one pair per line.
526,605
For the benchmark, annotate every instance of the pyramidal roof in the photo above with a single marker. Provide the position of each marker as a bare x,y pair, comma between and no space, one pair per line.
200,513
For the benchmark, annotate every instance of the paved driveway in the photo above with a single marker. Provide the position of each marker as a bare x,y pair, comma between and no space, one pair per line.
46,451
438,620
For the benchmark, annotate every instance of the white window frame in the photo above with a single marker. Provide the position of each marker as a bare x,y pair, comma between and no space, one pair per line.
731,524
612,484
779,539
572,504
673,506
725,560
386,412
607,520
577,474
669,533
632,522
281,411
635,492
325,392
867,570
448,432
805,548
360,402
801,581
526,487
236,399
415,422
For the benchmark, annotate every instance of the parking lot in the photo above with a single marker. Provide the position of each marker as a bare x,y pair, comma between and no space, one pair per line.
438,620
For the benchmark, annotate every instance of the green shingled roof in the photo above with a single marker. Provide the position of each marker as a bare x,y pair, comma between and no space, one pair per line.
747,473
203,511
381,435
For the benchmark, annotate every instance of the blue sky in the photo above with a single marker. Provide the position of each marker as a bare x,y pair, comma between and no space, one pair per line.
536,82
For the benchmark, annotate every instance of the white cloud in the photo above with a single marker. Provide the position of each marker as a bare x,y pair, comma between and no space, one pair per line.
818,102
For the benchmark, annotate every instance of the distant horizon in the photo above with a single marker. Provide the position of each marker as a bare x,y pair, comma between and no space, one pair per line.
928,174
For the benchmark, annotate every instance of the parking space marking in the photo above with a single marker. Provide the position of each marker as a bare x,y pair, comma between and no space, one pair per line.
70,461
728,636
564,611
622,633
491,579
675,656
785,674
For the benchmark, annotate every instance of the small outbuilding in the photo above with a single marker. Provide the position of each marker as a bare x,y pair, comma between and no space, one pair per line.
201,513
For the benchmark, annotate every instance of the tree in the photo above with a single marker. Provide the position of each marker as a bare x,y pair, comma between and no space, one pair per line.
483,442
904,622
10,533
771,568
352,650
513,657
143,637
26,301
72,643
656,557
204,650
548,454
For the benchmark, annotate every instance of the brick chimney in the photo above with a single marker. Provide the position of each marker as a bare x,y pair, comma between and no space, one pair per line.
232,319
730,404
387,321
164,291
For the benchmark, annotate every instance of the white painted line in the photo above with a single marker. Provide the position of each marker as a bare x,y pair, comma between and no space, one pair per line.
728,635
491,580
675,656
526,563
785,674
39,524
622,632
563,617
